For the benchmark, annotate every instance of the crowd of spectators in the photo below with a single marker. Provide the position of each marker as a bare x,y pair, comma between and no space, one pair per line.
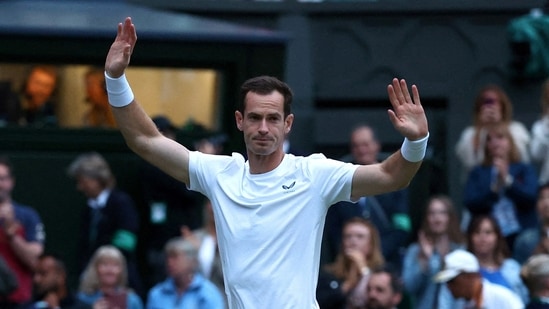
372,258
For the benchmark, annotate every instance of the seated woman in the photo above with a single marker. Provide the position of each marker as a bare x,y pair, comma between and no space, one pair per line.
486,242
502,185
104,283
343,283
439,235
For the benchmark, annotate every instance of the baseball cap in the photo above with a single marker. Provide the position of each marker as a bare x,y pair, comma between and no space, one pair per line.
457,262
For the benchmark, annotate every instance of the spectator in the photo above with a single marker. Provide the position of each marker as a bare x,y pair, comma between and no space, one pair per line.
185,287
461,276
170,206
50,286
104,283
21,238
388,212
535,274
486,242
491,106
502,185
36,105
439,234
205,240
110,218
342,284
384,290
539,146
99,114
535,238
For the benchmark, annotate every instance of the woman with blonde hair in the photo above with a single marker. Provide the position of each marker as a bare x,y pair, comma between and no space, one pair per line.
502,185
104,283
359,254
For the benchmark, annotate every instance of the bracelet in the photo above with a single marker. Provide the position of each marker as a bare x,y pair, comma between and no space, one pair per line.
119,91
414,151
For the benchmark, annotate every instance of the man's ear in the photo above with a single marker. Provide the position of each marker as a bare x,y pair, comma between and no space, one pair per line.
238,118
288,123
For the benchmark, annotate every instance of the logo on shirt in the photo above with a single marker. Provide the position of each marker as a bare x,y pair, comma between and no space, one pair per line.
285,187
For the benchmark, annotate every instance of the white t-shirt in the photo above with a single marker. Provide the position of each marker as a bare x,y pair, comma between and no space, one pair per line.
269,226
495,296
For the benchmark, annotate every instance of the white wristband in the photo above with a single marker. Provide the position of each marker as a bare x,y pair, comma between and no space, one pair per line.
119,91
414,151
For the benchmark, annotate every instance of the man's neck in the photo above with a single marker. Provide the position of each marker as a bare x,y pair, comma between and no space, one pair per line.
182,283
260,164
487,261
6,202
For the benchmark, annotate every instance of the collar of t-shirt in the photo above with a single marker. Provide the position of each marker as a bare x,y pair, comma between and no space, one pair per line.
100,201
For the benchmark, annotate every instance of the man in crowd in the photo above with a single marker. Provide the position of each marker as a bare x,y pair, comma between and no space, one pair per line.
535,275
388,212
21,238
461,273
50,286
384,290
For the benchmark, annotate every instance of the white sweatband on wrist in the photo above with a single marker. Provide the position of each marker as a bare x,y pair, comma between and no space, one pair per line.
414,151
119,91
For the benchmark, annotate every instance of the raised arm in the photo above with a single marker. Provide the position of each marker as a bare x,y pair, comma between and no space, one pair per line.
396,172
136,126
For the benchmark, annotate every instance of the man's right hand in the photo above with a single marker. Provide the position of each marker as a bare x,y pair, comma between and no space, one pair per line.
121,49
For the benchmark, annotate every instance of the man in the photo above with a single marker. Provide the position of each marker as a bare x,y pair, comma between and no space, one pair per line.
388,212
270,209
21,237
462,276
99,114
36,106
384,290
50,284
111,217
185,286
535,275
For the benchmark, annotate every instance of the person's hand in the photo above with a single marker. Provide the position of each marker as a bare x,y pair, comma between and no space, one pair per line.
187,234
502,168
7,219
357,258
121,49
489,113
426,246
407,115
101,303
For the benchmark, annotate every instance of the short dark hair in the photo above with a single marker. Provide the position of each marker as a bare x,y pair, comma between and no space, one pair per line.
396,281
265,85
59,264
